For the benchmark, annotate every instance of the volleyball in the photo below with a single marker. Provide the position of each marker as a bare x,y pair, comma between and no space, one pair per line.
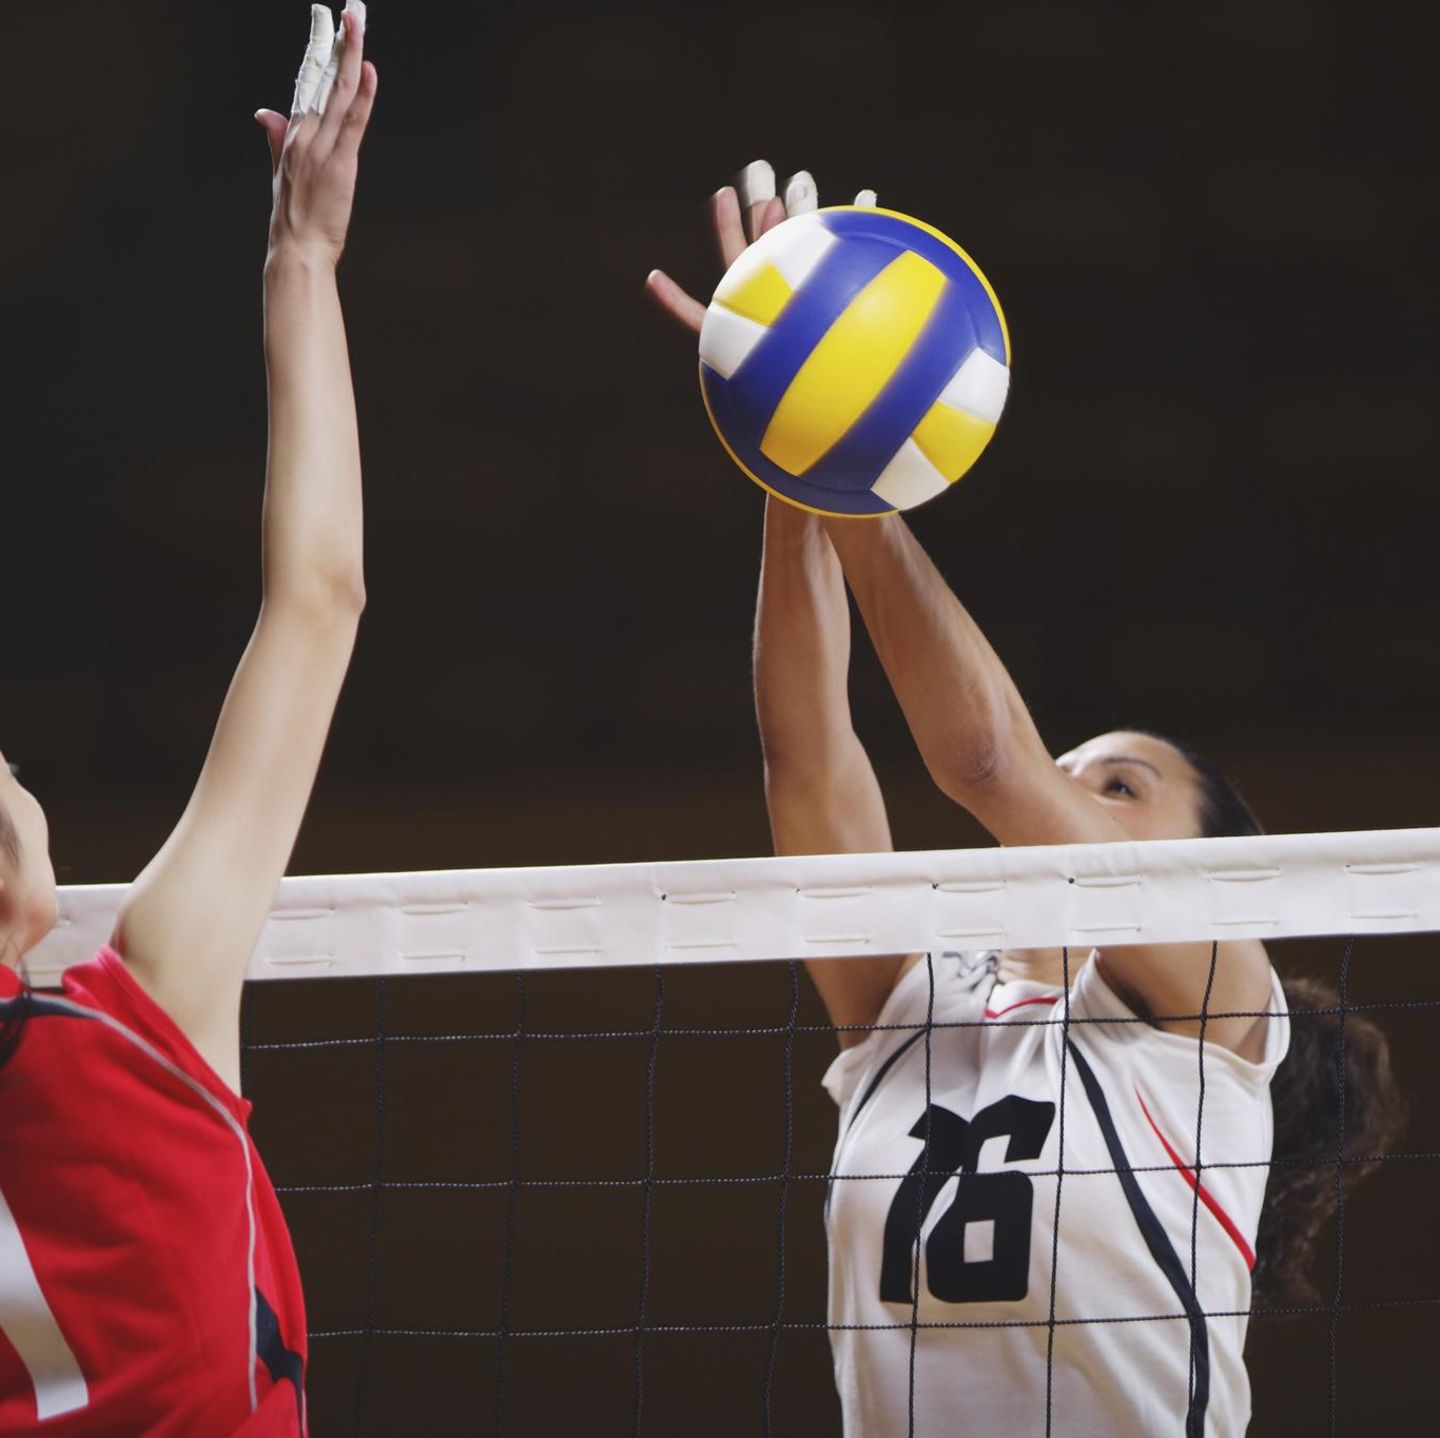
854,361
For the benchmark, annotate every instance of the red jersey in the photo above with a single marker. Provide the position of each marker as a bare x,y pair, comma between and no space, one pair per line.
147,1280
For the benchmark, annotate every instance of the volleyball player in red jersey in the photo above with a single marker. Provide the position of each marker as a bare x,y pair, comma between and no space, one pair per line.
147,1281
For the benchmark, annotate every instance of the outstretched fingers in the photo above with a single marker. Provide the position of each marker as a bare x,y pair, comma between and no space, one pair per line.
676,302
770,216
275,126
337,55
317,60
801,196
347,67
357,117
750,205
728,226
756,186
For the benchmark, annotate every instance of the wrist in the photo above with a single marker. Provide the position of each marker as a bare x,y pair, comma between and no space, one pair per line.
289,258
790,528
861,535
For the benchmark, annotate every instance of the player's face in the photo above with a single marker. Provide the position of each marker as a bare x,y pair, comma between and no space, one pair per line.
1146,783
29,900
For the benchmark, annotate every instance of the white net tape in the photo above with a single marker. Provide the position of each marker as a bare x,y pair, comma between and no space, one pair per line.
1087,895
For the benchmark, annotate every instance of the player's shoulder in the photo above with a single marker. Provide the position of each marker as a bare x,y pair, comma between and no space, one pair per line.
102,1015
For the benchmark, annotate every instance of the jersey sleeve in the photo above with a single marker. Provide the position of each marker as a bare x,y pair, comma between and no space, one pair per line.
1110,1028
106,985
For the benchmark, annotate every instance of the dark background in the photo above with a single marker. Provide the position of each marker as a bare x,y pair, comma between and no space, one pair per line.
1211,509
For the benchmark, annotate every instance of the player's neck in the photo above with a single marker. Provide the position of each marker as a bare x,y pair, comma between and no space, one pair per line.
1040,966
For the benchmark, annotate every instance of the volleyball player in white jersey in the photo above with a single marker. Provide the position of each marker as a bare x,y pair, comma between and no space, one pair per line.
1019,1133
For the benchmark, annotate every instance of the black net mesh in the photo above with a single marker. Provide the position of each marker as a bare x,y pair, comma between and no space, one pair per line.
599,1208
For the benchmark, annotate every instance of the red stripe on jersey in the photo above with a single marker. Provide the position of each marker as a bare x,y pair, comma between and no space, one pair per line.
1188,1174
1022,1003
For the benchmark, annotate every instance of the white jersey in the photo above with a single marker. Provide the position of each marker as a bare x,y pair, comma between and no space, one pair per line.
979,1178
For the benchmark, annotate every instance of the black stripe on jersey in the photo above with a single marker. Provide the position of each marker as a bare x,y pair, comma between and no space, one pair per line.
1158,1242
880,1076
868,1095
283,1364
36,1006
16,1013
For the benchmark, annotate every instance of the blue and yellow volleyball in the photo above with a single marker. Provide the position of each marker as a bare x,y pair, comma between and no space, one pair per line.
854,361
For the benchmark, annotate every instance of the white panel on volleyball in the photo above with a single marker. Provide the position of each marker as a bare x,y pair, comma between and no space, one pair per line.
909,479
726,339
799,248
728,910
979,387
795,248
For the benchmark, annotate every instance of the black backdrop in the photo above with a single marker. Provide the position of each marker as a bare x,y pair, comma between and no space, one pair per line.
1211,507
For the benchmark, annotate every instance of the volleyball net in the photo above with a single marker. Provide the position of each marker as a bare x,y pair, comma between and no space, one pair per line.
555,1151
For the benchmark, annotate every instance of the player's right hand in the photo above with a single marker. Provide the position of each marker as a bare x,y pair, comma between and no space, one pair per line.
735,227
315,156
740,214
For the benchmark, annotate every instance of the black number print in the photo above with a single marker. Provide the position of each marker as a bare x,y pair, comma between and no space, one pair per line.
952,1146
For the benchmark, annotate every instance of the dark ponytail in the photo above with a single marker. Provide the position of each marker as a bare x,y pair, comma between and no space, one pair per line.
1300,1194
1224,813
1306,1093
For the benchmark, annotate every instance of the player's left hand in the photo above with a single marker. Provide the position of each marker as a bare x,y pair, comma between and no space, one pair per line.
315,154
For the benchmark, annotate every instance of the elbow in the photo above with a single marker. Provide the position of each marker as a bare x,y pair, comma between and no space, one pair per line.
338,599
331,601
975,766
348,596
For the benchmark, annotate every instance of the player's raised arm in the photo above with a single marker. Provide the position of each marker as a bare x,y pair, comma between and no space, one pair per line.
967,716
983,750
192,918
820,787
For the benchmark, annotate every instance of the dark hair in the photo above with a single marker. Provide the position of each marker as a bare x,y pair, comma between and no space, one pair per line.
1223,811
1306,1091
